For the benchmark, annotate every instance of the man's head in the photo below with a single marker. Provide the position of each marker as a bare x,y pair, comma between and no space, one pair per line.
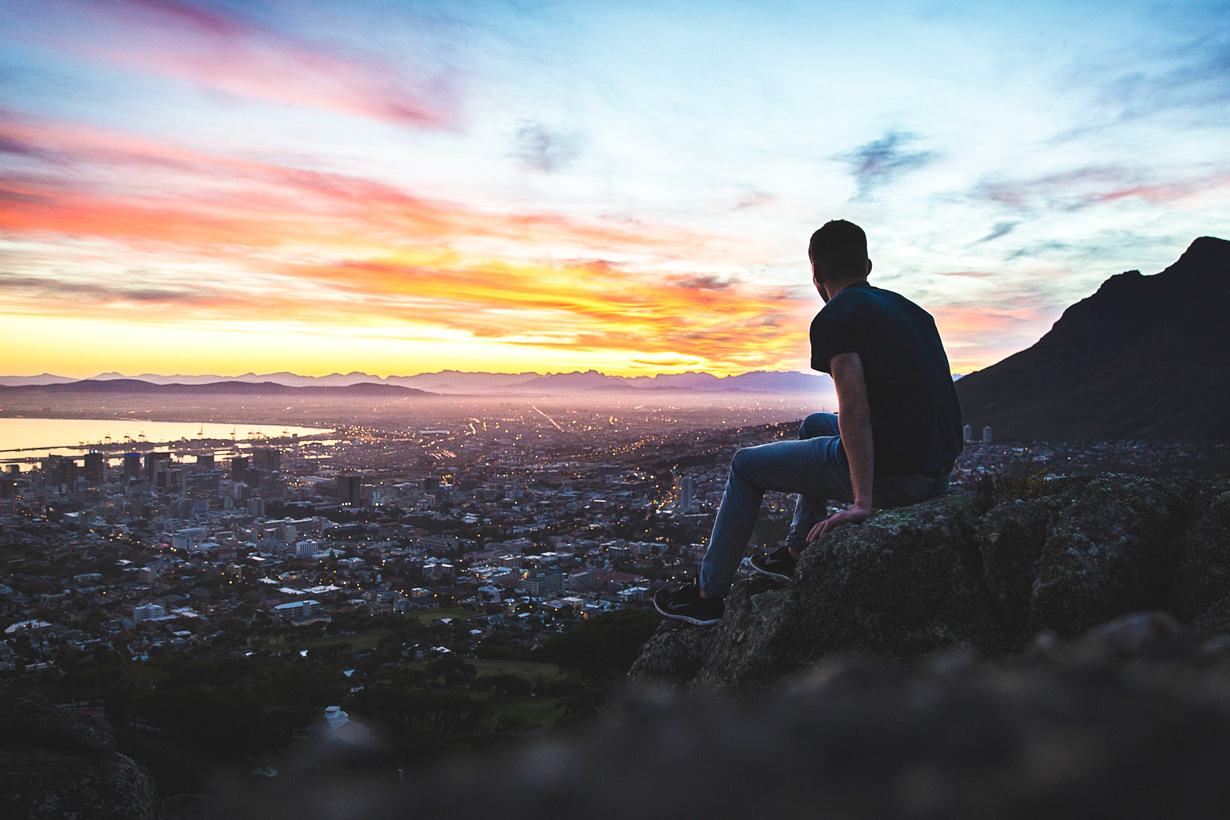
838,254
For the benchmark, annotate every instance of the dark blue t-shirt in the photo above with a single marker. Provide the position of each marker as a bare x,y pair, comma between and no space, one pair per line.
915,415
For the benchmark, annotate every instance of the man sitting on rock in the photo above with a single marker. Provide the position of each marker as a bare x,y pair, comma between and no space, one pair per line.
893,442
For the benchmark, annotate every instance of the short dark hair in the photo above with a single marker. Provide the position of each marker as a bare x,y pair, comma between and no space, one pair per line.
841,247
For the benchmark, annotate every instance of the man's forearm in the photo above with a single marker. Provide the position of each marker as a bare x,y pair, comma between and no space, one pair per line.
854,424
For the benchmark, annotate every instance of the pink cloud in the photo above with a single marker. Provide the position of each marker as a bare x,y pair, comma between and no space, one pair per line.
1086,187
237,55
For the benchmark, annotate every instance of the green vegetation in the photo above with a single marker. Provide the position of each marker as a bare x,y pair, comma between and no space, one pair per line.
604,646
426,616
231,704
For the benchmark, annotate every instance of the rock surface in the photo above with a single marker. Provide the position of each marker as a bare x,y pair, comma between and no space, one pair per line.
56,764
952,572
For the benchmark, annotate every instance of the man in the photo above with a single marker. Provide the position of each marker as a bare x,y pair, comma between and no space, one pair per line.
893,442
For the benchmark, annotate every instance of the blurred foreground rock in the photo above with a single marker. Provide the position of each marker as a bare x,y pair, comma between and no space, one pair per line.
1130,720
56,764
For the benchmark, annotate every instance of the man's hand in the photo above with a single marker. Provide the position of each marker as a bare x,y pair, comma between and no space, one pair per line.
851,516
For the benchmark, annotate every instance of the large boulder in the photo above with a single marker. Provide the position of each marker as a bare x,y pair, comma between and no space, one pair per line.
963,570
1111,549
56,764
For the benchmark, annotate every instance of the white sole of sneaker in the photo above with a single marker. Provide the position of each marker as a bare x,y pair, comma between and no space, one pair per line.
686,618
779,575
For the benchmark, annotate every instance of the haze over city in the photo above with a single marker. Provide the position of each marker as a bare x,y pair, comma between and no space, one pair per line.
399,187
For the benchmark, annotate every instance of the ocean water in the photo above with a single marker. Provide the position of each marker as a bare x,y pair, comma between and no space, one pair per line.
21,437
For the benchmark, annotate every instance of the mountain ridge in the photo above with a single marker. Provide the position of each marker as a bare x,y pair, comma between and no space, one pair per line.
454,382
1144,357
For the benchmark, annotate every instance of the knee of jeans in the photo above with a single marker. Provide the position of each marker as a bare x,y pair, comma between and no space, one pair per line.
808,428
739,463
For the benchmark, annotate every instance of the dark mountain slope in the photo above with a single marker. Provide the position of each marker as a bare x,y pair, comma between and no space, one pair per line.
1146,357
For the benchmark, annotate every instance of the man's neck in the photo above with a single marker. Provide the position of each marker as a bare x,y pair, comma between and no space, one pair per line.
835,288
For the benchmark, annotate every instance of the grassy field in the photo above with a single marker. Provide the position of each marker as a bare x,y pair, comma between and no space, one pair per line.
526,669
426,616
358,642
536,712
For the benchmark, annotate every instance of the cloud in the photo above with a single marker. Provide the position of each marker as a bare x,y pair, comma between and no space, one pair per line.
1088,187
542,149
274,243
223,50
1192,76
699,282
94,182
1037,249
879,162
1000,229
48,288
754,199
970,274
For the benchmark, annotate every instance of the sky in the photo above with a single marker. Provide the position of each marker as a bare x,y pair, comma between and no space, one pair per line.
403,187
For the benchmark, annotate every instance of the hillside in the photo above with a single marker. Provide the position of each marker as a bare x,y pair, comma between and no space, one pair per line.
1146,357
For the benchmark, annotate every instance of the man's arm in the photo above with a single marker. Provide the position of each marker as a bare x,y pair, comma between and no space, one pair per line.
854,423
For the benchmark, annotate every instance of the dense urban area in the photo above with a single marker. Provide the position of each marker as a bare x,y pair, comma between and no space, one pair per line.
440,586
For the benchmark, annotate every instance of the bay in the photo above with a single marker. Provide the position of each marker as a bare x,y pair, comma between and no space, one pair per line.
23,438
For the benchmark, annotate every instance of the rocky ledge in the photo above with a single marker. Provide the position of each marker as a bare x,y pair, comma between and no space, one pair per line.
968,571
57,764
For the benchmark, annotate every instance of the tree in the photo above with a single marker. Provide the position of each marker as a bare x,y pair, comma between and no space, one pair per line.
603,646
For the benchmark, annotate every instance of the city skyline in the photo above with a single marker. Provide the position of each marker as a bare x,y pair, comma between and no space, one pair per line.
190,187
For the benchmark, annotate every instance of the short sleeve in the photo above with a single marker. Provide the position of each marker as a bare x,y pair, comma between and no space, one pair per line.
833,331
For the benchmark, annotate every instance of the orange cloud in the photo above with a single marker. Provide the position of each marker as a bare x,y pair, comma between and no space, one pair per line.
331,250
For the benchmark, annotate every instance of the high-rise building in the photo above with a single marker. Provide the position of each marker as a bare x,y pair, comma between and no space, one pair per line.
156,463
93,467
59,470
267,459
202,485
205,463
239,468
132,466
685,494
968,432
986,435
349,489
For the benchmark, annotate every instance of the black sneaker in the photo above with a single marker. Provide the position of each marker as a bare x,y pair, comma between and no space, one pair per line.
685,604
779,563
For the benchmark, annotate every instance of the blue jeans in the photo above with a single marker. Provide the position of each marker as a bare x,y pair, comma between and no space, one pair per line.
810,468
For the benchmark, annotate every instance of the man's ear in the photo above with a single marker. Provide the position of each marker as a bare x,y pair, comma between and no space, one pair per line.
869,266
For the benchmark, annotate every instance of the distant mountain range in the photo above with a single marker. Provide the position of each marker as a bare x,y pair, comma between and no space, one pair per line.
217,388
1146,357
446,382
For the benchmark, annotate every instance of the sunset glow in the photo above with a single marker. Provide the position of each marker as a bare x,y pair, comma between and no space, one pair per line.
200,187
